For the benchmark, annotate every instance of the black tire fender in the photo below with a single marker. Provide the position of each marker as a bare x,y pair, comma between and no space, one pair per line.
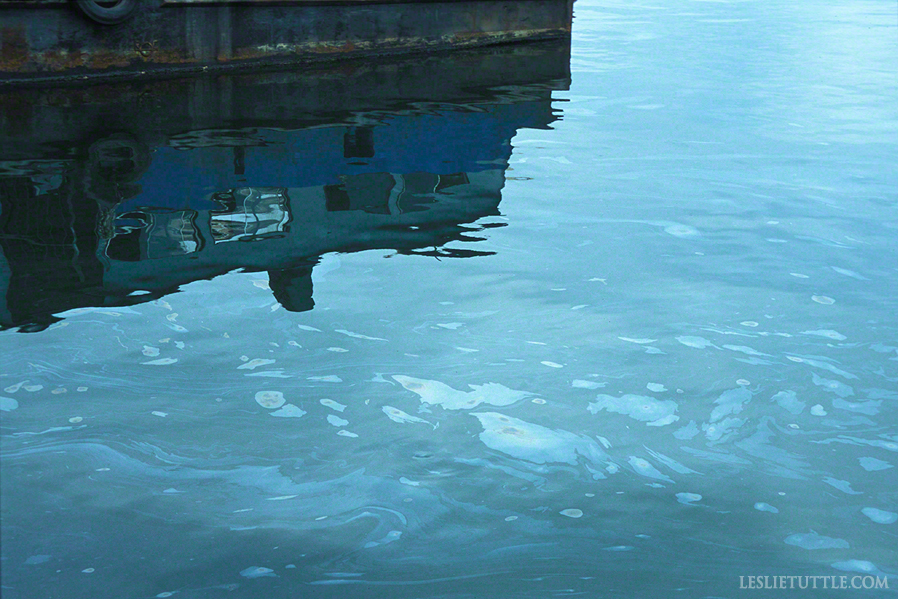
108,12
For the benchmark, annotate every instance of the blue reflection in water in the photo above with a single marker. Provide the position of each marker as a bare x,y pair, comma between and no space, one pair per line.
670,362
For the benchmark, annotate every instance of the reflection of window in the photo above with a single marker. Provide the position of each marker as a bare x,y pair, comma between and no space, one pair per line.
125,242
375,193
447,181
147,235
173,234
358,142
369,192
421,189
250,213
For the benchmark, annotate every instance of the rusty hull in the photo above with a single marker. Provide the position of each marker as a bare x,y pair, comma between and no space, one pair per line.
49,40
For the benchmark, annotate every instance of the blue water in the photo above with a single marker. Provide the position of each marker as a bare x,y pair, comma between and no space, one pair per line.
636,338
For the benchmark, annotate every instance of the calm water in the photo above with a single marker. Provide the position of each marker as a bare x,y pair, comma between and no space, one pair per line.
465,328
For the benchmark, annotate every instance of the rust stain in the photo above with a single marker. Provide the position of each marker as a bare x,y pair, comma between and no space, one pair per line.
105,59
143,48
14,48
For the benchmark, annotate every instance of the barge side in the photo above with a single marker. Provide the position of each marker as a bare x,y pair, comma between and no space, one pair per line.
47,40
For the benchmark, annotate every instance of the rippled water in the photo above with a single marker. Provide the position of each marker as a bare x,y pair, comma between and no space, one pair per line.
628,336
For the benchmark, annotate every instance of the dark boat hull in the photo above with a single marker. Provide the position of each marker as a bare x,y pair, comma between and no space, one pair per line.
51,40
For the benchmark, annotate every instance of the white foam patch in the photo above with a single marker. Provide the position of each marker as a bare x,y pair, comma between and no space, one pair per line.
535,443
829,334
842,485
849,273
682,231
766,507
730,402
696,342
335,420
642,467
880,516
869,407
818,410
160,362
437,393
687,432
789,402
255,363
257,572
744,349
397,415
873,464
856,565
270,399
271,374
358,335
289,411
8,404
653,411
832,386
584,384
330,403
688,498
813,541
331,378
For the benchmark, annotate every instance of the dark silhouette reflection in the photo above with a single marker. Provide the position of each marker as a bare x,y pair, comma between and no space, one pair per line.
118,194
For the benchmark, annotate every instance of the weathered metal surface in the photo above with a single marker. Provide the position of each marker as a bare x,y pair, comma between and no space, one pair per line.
110,188
48,40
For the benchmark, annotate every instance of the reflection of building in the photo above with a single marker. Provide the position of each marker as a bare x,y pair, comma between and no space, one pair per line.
207,182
